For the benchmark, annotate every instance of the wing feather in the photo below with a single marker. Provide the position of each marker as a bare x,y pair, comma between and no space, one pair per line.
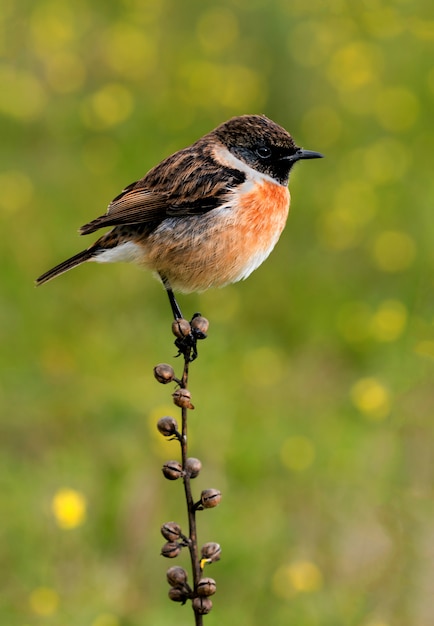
175,187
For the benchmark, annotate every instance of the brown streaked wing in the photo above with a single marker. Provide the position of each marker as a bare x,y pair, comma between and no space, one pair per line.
175,187
132,206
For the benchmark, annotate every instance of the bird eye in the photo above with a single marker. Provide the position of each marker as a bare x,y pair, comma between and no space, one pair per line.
263,152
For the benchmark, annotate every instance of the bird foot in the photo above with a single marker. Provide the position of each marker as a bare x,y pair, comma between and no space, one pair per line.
188,334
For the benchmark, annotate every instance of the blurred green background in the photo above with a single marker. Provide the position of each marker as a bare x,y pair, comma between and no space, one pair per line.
314,392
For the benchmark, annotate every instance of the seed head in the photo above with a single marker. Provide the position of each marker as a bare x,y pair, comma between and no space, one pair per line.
206,587
164,373
168,426
193,467
202,605
170,550
177,594
199,326
176,576
210,498
171,531
172,470
182,398
211,552
181,328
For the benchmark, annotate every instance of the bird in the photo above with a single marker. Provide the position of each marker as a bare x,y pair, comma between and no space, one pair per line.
206,216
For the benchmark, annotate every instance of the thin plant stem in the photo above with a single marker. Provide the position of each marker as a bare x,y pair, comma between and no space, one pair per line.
192,532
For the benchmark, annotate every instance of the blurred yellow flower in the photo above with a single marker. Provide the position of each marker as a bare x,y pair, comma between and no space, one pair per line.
394,251
16,190
297,577
386,160
44,601
69,508
110,105
371,398
355,65
388,322
65,72
22,95
217,29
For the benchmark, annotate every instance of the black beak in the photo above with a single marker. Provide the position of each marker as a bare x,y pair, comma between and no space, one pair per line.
303,154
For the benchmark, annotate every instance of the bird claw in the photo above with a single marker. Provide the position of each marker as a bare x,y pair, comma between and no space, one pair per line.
187,344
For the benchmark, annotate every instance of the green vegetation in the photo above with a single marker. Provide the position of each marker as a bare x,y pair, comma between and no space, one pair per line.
314,393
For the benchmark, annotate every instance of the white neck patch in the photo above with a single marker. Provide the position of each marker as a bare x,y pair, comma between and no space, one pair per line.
225,157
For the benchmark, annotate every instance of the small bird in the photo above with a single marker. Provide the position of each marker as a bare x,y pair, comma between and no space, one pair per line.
207,215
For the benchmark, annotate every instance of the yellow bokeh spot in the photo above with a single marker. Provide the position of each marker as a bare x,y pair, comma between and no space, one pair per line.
52,26
421,28
338,229
21,95
106,619
110,105
355,65
16,190
162,446
297,453
354,205
393,251
217,29
322,125
360,196
65,72
386,160
130,51
235,87
383,21
44,601
297,577
376,622
396,108
388,322
69,508
371,398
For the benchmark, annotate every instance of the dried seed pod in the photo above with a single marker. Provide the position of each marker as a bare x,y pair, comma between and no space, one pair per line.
176,576
211,552
168,426
170,550
164,373
199,326
202,605
182,398
172,470
193,467
171,531
177,594
181,328
210,498
206,587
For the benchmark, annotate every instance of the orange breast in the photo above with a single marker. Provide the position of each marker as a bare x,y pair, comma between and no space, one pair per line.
224,245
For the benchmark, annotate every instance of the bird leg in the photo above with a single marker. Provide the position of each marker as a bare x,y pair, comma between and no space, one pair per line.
187,334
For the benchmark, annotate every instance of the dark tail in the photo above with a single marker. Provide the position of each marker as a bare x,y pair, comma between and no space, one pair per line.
75,260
